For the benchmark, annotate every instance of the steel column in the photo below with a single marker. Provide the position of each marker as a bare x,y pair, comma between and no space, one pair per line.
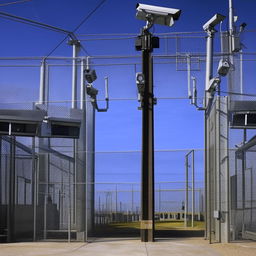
147,196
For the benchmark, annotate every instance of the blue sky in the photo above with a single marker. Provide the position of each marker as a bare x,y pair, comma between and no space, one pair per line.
177,124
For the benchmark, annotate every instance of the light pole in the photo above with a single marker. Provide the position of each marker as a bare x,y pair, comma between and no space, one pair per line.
146,43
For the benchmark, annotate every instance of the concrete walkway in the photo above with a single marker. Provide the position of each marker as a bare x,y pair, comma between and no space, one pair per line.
125,247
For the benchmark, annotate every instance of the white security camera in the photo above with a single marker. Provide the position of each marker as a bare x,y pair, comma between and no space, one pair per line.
223,67
160,15
211,23
90,75
213,83
91,91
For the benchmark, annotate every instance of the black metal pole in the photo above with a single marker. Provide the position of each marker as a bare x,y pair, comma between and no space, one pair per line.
147,179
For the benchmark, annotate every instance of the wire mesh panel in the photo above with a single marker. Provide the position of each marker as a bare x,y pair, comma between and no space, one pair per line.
16,201
243,186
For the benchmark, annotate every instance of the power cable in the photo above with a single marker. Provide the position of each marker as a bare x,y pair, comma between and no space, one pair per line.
77,27
32,23
16,2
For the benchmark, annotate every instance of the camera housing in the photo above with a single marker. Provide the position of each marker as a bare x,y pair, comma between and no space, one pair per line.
160,15
211,23
223,67
91,91
90,75
213,83
140,81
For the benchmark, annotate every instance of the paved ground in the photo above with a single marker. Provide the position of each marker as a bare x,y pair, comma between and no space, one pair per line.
125,247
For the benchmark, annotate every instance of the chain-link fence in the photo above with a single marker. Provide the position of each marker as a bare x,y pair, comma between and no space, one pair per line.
74,189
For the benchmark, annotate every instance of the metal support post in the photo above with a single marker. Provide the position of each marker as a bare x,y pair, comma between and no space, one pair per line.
193,188
209,63
43,80
147,183
82,86
159,197
186,193
189,76
76,47
231,78
208,76
11,203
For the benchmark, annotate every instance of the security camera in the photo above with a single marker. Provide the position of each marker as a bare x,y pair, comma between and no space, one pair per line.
211,23
223,67
140,81
160,15
213,83
242,27
90,75
91,91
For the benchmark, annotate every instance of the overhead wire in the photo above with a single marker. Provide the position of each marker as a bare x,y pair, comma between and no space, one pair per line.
77,27
29,22
52,28
16,2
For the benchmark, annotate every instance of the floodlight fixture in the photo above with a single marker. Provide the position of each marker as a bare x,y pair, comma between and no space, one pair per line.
90,75
157,15
215,20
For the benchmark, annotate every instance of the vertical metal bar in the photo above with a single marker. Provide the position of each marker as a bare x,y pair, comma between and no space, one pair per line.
11,204
243,179
34,187
69,206
251,219
47,85
82,86
106,87
186,192
241,73
42,88
189,76
132,198
25,192
218,179
209,64
231,57
86,205
231,17
199,204
116,199
159,198
75,46
228,198
45,215
16,190
193,187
